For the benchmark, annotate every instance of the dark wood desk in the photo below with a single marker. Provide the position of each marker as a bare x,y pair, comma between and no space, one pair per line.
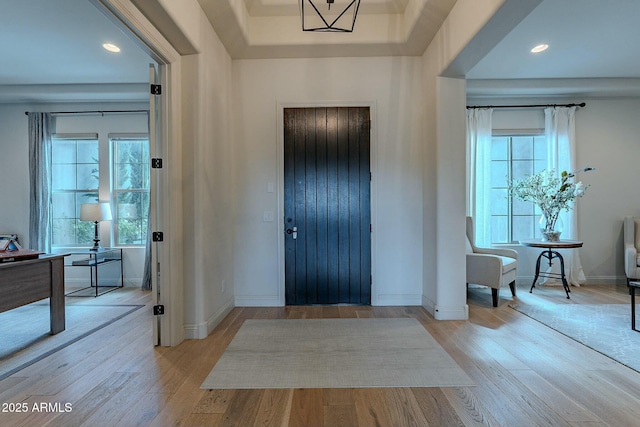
549,253
24,282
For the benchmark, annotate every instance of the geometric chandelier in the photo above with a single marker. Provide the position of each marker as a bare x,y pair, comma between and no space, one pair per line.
318,16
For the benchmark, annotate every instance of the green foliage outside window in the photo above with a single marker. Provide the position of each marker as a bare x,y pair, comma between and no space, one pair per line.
75,180
132,190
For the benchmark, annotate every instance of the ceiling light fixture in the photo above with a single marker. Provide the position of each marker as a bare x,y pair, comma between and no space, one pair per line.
342,19
540,48
111,47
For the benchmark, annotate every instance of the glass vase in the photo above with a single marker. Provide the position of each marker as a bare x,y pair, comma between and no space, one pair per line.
550,227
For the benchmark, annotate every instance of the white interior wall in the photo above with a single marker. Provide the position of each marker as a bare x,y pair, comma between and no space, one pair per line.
608,134
14,146
207,192
444,278
14,164
203,190
606,138
392,85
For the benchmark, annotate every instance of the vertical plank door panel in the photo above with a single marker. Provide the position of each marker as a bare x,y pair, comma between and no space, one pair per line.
333,278
299,215
289,204
322,203
311,206
327,197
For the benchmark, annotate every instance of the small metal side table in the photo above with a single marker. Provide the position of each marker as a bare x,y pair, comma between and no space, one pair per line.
550,254
94,260
632,291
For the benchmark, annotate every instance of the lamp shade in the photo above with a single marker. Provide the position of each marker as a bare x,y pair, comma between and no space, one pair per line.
95,212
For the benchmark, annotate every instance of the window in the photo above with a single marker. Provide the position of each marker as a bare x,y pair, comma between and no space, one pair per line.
80,176
131,190
514,156
74,180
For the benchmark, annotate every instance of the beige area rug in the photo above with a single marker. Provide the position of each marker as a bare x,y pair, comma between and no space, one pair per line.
24,331
334,353
605,328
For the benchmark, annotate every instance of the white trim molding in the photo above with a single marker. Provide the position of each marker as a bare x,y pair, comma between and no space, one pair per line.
445,313
203,329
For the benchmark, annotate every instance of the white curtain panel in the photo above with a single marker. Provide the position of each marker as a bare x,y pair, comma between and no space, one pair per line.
479,172
560,133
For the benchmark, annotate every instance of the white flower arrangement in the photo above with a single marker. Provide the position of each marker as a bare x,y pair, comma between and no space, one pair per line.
551,193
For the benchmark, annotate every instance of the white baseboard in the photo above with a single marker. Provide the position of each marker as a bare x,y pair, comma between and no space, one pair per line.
606,280
445,313
219,316
202,330
195,331
451,313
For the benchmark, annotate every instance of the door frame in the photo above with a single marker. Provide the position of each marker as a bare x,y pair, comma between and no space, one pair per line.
373,141
130,19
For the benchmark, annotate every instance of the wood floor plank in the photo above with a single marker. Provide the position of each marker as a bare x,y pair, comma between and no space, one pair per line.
620,378
364,314
82,385
435,407
203,420
468,407
146,408
275,408
486,390
338,396
500,368
371,408
330,312
96,399
49,376
242,409
125,399
566,407
340,416
348,311
404,409
307,408
214,402
525,374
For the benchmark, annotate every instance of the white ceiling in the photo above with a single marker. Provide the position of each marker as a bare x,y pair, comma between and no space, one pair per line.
594,43
587,39
292,8
45,42
59,42
273,28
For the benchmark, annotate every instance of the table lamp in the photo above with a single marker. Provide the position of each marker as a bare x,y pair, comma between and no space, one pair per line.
95,212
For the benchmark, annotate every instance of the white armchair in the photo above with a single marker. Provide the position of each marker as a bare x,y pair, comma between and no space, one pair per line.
632,248
490,267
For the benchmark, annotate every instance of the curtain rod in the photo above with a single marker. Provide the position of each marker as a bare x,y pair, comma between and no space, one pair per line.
582,104
102,112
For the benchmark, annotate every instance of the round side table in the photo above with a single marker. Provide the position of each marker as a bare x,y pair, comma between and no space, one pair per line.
550,253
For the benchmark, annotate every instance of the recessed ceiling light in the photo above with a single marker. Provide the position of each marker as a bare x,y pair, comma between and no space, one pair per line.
540,48
111,47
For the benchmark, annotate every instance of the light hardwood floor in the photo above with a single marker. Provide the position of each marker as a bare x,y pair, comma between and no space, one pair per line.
526,375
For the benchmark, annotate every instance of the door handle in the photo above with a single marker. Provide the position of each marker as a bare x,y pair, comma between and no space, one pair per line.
293,231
